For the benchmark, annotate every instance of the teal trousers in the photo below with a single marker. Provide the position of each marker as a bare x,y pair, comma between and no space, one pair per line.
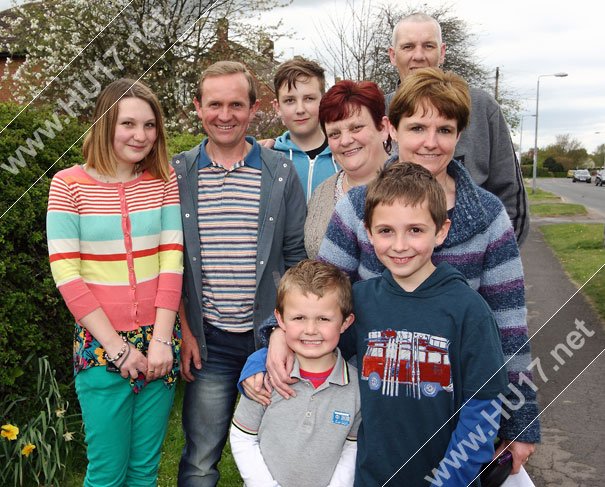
124,431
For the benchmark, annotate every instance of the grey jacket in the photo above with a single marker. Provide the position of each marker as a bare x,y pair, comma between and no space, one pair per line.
280,244
486,150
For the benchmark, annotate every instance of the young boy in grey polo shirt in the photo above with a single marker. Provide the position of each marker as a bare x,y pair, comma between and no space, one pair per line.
310,439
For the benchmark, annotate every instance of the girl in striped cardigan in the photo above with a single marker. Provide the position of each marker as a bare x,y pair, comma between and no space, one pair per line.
115,244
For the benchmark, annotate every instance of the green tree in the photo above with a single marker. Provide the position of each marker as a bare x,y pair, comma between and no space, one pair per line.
89,44
599,156
552,165
568,151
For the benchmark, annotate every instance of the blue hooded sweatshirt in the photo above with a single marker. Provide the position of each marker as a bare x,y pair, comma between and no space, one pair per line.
311,172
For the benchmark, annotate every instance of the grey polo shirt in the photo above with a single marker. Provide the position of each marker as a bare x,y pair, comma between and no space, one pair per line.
301,439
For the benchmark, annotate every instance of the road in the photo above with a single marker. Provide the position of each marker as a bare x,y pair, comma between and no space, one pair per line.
589,195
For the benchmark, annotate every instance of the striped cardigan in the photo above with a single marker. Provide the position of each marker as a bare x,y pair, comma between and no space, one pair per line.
118,246
481,245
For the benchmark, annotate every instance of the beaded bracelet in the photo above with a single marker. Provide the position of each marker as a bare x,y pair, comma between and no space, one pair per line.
165,342
119,354
124,357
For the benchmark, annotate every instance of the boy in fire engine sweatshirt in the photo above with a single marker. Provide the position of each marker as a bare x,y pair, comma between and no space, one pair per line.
427,345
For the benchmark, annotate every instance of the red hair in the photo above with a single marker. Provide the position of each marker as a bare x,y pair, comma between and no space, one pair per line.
347,97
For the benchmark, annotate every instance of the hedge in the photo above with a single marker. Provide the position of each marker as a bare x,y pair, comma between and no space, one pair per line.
33,318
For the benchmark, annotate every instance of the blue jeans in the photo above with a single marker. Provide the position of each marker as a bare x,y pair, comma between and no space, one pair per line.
208,406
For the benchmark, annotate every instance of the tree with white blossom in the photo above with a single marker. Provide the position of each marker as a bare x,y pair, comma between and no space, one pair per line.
75,47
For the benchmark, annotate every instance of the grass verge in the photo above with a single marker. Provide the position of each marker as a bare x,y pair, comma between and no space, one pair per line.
541,195
557,209
579,248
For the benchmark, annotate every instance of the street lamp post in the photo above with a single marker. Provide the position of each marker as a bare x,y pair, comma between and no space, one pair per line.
535,168
521,135
603,153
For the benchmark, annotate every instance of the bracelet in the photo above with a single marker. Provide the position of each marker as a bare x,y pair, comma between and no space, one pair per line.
165,342
124,357
119,354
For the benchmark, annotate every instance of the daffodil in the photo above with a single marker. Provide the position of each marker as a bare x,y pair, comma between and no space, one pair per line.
60,413
9,431
28,449
68,436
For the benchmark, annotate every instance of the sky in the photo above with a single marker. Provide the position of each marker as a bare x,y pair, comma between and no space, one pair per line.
524,38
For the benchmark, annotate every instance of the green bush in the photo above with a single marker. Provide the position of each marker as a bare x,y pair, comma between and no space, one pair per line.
33,318
182,142
527,171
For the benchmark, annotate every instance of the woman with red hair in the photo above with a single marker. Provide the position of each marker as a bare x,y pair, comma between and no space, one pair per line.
351,114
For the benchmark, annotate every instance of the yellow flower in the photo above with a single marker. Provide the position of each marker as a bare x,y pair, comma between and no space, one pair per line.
28,449
9,431
60,413
68,436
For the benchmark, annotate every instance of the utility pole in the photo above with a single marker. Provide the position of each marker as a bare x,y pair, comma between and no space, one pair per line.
497,80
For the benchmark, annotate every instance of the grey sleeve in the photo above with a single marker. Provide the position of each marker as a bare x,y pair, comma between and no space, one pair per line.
487,151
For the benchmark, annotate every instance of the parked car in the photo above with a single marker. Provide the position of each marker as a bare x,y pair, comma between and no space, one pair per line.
570,173
599,177
581,175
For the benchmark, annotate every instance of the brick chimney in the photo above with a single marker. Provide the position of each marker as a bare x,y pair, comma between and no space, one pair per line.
222,30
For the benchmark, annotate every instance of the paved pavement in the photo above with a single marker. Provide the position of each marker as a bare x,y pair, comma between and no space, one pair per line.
573,425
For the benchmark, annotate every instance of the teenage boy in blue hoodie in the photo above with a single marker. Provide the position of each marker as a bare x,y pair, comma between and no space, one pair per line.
299,86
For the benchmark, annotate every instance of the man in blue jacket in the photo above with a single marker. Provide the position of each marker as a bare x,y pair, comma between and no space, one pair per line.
243,212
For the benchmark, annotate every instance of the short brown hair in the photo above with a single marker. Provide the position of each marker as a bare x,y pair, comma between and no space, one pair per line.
298,69
223,68
426,87
98,144
318,278
410,183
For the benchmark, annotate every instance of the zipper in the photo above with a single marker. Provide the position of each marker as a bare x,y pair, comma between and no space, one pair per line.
310,178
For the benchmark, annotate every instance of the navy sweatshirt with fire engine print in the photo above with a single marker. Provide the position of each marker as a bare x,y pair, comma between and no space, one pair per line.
420,356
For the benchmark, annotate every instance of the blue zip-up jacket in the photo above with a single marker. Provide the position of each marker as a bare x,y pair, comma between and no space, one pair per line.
280,245
311,172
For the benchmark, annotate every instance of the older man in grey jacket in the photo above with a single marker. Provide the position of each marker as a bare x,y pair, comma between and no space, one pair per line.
485,147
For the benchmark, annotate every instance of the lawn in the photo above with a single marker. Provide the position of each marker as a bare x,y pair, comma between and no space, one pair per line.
579,248
540,195
545,204
557,209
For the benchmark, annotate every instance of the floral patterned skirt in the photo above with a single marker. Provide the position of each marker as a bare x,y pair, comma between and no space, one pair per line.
88,352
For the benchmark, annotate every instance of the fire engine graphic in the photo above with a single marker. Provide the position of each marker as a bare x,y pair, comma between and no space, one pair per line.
418,361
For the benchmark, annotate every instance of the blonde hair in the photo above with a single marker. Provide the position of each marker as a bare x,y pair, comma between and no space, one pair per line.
318,278
98,144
